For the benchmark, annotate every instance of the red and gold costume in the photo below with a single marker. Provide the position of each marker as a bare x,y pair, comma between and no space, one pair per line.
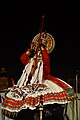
46,68
36,81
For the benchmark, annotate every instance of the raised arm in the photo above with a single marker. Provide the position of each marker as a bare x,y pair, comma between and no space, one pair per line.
25,57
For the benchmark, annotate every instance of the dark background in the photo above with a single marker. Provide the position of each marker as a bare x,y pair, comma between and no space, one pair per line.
19,23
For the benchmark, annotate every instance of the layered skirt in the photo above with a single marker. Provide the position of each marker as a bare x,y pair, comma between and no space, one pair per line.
38,91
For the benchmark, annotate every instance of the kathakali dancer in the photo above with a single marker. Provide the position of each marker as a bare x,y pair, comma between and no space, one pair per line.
36,81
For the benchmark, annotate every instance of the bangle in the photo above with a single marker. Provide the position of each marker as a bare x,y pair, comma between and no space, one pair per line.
42,48
28,52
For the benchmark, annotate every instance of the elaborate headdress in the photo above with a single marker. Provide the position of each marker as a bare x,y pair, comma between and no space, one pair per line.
44,38
47,39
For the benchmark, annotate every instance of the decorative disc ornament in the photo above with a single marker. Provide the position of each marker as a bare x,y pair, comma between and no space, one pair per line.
46,39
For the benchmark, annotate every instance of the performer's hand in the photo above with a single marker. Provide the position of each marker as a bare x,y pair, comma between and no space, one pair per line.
42,48
32,53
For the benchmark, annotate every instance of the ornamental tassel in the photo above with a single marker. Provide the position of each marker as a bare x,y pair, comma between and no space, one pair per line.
2,111
14,114
5,112
9,113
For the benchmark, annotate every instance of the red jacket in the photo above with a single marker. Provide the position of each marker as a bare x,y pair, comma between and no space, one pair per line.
46,62
46,68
